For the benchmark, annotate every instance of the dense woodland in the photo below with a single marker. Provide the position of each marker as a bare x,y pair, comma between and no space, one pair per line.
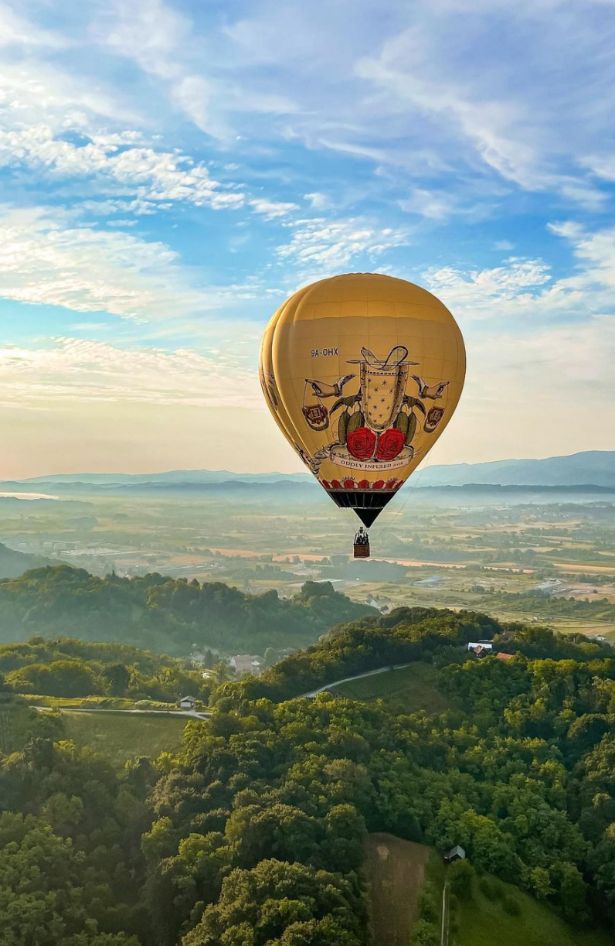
71,668
169,615
252,835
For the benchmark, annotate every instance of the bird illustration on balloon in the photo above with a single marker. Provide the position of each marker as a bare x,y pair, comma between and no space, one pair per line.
378,423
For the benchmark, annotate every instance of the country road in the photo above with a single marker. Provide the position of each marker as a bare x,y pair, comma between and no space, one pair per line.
205,714
189,714
446,920
358,676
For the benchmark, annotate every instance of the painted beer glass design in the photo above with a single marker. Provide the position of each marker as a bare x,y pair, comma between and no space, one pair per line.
383,385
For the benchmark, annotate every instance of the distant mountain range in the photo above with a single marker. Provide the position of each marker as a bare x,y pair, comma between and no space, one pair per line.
170,478
589,468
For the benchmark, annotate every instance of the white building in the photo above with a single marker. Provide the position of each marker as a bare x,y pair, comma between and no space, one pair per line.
187,703
246,663
480,648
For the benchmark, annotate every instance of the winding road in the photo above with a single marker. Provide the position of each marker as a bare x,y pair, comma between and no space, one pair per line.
358,676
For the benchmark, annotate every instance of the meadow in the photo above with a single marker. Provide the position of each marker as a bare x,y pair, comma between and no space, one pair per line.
119,737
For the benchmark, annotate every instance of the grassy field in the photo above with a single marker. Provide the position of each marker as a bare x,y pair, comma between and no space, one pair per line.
483,922
396,871
410,689
120,737
93,702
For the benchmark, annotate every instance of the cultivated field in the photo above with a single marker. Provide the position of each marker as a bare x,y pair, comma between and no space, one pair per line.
396,871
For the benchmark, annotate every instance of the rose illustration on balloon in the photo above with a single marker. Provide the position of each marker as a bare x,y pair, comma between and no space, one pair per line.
390,444
361,443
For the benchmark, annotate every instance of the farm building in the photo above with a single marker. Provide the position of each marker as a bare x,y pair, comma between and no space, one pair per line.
480,648
187,703
456,853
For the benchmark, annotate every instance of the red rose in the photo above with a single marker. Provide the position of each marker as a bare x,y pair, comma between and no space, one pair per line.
335,484
364,484
378,484
349,484
362,442
326,484
390,444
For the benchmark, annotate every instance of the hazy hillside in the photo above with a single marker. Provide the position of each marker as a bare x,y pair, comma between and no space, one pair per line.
166,614
13,564
595,467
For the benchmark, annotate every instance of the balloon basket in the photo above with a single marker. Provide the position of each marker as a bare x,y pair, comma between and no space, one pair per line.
361,550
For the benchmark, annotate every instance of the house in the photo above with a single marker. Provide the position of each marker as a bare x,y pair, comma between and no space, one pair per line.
503,656
456,853
246,663
480,648
187,703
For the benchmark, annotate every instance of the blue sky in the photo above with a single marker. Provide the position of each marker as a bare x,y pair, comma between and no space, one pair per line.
169,172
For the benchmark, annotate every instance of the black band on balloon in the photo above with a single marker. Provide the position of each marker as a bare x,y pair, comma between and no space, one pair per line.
367,505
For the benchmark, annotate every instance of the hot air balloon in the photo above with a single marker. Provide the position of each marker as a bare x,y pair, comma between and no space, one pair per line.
362,373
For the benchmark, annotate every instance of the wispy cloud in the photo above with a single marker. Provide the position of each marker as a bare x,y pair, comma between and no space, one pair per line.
46,259
84,371
146,174
526,288
332,243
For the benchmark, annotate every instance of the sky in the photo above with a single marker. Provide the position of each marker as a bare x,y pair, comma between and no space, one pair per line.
171,171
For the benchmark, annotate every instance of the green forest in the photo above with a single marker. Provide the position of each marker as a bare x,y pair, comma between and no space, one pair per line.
252,833
169,615
70,668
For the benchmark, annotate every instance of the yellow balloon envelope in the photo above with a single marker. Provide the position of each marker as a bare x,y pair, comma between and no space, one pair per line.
362,373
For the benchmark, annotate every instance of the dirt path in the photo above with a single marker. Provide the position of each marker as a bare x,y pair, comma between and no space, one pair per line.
396,870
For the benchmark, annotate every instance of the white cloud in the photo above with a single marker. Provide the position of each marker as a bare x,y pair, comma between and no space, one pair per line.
318,201
45,259
88,371
525,287
16,30
153,176
430,204
272,209
485,292
332,243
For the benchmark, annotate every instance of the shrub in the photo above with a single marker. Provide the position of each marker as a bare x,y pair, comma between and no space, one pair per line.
511,905
460,876
425,934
